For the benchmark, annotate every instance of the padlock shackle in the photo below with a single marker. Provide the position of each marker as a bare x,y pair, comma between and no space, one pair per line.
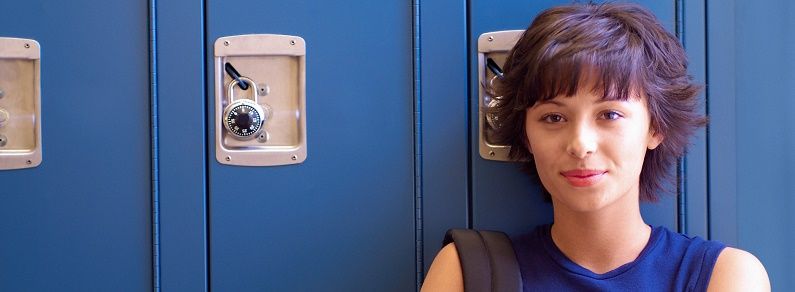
230,92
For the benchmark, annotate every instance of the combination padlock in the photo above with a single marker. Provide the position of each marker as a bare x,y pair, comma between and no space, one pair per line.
245,118
491,102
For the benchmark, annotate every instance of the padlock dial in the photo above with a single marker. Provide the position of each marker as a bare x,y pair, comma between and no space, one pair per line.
491,119
243,120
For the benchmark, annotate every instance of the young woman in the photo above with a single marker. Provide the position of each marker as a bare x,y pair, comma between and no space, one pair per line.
597,100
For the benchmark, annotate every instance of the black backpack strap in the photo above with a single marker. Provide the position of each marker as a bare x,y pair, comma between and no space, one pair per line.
488,261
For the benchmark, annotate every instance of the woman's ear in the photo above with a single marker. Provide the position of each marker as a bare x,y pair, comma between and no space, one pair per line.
655,139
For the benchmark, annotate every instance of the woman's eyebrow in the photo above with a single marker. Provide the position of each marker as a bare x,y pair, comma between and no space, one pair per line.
551,101
561,104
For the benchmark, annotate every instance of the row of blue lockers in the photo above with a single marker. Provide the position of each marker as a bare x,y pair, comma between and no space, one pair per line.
130,195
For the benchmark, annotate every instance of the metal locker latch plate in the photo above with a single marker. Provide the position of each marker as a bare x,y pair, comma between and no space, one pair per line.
494,46
277,64
20,103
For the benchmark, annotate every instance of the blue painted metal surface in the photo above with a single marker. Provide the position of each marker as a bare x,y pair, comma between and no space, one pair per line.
183,153
752,94
81,221
418,152
721,107
445,126
695,180
504,198
344,218
681,163
155,143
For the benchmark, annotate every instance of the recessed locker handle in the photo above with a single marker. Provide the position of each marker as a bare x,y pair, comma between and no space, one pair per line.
494,68
235,75
493,48
260,100
20,103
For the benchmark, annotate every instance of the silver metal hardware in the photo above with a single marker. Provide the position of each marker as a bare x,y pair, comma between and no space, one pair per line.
491,102
263,137
244,118
3,117
20,105
492,119
264,89
231,89
278,63
495,46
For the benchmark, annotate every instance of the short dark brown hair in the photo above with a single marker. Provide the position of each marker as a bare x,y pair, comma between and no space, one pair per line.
629,51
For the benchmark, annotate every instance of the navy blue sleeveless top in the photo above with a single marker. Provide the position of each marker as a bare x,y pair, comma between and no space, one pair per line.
669,262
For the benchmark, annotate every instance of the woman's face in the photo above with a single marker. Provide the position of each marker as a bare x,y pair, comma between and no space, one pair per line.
588,151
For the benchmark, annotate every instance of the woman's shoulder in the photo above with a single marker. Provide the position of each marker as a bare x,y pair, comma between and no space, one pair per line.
738,270
732,269
445,273
687,244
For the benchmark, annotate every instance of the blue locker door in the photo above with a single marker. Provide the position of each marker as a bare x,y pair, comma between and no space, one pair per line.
344,219
752,98
81,220
503,197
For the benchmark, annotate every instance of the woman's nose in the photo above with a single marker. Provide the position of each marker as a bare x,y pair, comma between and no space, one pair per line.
583,141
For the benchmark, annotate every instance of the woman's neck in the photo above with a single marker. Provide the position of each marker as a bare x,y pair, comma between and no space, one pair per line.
601,240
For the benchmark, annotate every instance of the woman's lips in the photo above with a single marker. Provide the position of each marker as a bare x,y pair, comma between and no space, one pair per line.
583,177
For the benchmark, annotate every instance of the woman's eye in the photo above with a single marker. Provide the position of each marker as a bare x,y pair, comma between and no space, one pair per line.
552,118
611,115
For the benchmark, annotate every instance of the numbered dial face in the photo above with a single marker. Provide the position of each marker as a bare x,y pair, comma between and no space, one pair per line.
244,120
492,119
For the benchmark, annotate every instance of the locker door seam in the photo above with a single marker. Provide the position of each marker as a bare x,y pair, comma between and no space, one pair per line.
469,193
207,158
418,185
681,163
154,148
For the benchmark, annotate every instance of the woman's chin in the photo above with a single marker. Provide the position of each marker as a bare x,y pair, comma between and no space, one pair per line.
583,201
